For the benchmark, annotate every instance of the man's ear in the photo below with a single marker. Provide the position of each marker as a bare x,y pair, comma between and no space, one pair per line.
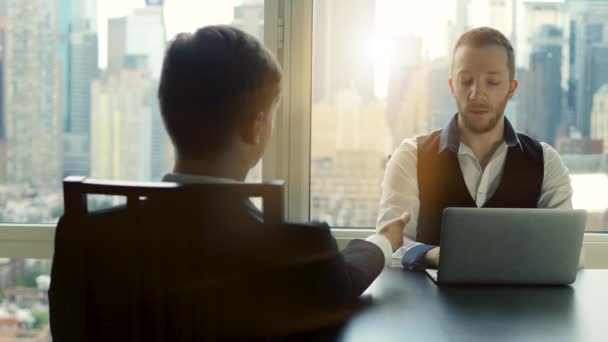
252,127
451,84
513,88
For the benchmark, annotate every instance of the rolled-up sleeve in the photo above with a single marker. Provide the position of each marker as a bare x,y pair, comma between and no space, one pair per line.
400,194
385,245
556,191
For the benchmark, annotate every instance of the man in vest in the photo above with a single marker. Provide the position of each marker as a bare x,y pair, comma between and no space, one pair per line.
477,160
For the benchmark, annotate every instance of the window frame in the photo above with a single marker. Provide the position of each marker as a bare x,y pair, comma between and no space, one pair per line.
36,241
288,34
288,153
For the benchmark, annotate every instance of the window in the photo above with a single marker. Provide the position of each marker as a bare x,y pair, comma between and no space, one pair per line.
78,80
380,72
24,306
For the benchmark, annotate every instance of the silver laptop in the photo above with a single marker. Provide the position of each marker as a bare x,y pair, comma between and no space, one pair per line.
509,246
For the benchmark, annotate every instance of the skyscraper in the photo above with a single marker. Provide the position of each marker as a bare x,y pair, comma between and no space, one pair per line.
426,103
501,15
136,45
3,27
342,48
571,91
78,27
461,24
542,106
249,17
405,60
590,50
441,102
462,16
498,14
141,33
123,105
599,115
33,105
537,14
347,158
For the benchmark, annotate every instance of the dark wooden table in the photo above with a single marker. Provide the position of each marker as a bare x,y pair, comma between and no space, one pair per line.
409,306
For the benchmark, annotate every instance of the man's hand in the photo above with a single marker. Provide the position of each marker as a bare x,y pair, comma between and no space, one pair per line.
393,230
431,257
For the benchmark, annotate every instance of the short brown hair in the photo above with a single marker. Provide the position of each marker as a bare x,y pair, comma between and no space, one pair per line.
211,82
486,36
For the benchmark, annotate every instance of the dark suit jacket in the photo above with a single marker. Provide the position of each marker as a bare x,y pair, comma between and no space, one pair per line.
184,271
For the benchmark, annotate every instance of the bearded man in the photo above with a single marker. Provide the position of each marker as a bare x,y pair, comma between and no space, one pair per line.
477,160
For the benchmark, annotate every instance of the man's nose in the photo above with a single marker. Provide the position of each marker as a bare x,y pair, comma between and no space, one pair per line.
477,92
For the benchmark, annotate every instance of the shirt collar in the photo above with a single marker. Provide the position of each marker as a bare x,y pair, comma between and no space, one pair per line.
185,178
450,136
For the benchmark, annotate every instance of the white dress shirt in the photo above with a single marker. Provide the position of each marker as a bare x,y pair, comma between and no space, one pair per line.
400,185
379,240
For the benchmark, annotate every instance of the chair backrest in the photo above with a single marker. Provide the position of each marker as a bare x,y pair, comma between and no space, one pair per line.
76,189
133,272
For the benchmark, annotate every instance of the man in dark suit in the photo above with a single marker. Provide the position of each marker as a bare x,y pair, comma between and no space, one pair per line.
218,92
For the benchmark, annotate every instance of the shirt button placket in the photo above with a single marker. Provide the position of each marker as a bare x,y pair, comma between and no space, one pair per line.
482,190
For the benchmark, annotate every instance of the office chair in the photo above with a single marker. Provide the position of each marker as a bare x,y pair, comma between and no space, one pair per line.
159,268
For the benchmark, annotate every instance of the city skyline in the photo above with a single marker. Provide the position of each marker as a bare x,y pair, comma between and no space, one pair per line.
393,19
349,120
418,100
179,16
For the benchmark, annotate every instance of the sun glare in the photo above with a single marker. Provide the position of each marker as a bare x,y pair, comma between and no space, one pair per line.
381,51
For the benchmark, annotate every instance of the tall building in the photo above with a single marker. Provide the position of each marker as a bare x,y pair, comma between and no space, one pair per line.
413,109
141,33
542,101
498,14
501,15
123,108
125,100
79,50
571,90
589,69
342,52
349,124
249,17
518,101
441,104
599,115
406,58
427,103
347,159
461,24
3,28
462,16
33,85
537,14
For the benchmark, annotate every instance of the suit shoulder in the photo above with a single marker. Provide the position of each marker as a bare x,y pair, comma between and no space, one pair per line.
310,233
315,228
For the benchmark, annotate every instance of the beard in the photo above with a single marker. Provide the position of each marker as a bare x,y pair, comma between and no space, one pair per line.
486,123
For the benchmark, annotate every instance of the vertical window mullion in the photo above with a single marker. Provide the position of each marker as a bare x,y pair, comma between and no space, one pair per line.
288,153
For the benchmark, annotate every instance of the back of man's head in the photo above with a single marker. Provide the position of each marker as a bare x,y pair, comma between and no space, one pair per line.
212,82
